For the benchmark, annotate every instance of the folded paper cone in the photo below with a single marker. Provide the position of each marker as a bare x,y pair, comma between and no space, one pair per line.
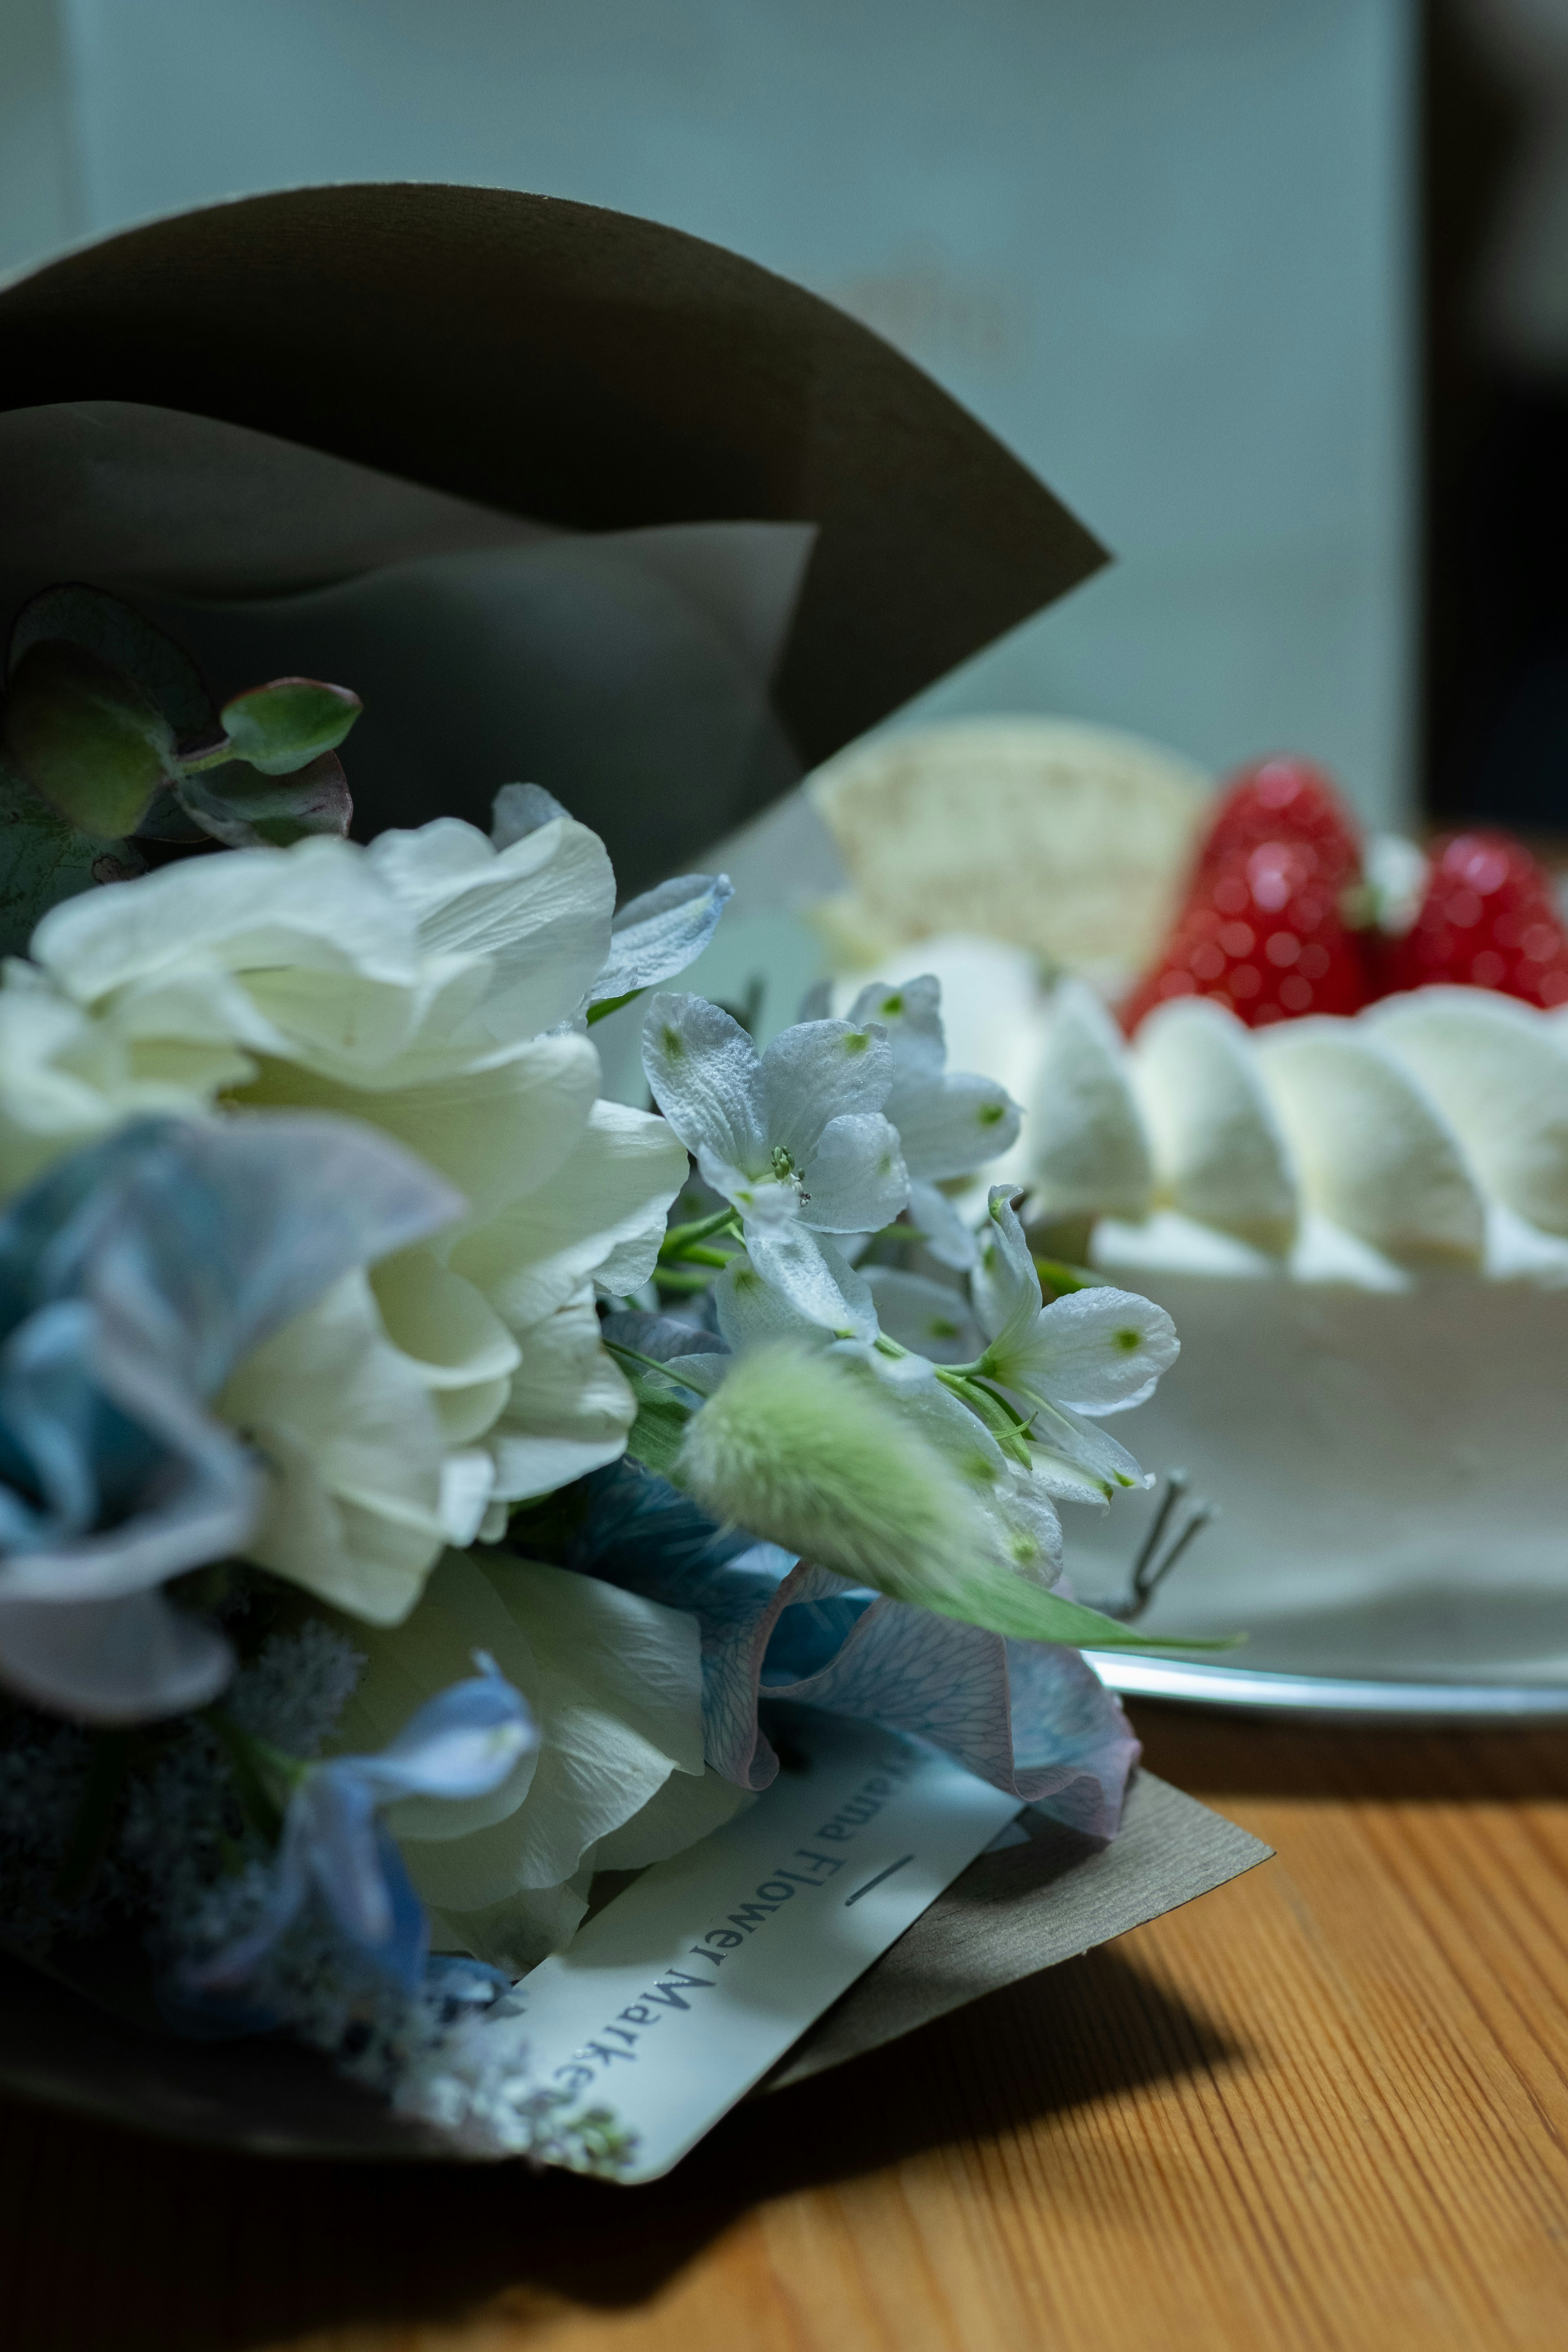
457,394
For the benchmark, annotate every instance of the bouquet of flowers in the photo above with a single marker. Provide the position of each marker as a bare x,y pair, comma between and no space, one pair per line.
415,1467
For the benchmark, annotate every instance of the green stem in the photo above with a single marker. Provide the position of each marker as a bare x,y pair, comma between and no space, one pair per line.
684,1280
681,1240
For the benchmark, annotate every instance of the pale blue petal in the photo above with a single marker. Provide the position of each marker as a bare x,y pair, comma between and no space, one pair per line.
462,1743
1031,1718
660,933
128,1661
520,809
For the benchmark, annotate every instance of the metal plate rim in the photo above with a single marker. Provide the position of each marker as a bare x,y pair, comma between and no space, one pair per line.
1417,1705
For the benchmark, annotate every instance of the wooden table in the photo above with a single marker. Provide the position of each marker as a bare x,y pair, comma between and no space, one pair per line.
1324,2107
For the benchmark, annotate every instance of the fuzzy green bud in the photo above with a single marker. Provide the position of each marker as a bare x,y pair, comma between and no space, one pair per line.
797,1447
794,1447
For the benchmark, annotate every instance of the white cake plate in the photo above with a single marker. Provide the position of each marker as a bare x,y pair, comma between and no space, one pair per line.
1332,1698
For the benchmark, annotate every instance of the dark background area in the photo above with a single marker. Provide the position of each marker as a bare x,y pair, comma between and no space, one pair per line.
1495,669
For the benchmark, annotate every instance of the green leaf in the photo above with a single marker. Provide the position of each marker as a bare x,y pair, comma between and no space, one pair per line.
1004,1603
245,810
44,859
277,728
654,1436
86,735
101,624
608,1004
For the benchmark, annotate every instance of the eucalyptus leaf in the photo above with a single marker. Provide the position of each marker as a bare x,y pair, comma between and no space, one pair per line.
42,859
244,809
101,624
87,735
166,819
279,727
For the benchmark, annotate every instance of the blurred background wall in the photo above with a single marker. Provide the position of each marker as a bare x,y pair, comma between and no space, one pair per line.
1164,247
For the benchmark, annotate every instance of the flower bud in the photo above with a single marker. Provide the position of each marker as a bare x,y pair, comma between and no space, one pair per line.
794,1447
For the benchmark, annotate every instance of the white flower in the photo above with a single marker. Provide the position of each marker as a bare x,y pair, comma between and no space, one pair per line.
948,1125
795,1141
432,986
614,1684
1094,1352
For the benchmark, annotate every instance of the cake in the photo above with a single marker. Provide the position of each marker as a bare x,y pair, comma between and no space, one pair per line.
1355,1206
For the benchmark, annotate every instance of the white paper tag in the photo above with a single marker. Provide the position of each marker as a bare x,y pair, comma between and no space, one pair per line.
683,1992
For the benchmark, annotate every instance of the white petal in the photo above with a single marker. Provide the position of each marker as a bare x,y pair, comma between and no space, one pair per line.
910,1013
540,909
1085,1446
569,1410
924,1315
613,1682
355,1451
812,1278
518,809
820,1071
854,1180
318,905
1095,1351
947,1234
496,1131
951,1126
752,1308
1004,1286
687,1806
600,1217
703,1069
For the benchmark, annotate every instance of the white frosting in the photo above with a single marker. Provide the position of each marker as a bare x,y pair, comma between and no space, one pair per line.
1388,1465
1085,1149
1375,1152
1497,1070
1380,1412
1216,1139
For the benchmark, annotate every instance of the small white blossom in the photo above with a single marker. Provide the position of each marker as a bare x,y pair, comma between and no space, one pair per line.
795,1141
1094,1352
949,1124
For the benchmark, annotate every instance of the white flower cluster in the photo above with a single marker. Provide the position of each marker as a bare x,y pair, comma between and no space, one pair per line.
835,1130
437,986
429,986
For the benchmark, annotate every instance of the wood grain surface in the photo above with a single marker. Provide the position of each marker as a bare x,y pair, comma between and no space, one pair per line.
1323,2108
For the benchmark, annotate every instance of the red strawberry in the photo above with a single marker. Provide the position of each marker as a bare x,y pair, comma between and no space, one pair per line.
1490,919
1261,932
1285,800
